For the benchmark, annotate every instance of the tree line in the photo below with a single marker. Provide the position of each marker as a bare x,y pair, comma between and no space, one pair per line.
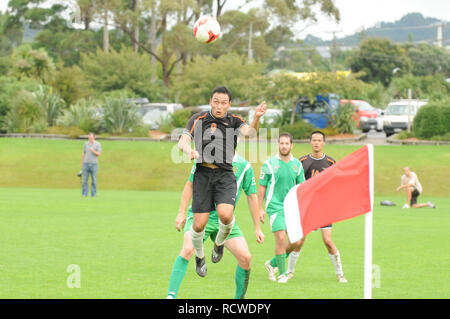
91,50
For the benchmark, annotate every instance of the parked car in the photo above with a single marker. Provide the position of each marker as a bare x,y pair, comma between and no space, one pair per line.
399,113
320,113
380,120
365,114
154,113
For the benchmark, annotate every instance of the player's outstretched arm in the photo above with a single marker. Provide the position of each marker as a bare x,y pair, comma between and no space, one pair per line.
253,205
186,196
252,129
184,144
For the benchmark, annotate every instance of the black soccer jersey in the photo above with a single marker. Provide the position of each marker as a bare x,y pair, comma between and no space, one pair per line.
313,166
215,138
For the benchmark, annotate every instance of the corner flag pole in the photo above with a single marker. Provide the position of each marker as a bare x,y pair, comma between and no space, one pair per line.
368,234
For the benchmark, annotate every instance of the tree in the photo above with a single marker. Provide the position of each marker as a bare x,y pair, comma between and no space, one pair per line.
124,69
378,58
194,85
32,63
428,59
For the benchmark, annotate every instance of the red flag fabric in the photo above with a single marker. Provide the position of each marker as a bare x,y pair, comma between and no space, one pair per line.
340,192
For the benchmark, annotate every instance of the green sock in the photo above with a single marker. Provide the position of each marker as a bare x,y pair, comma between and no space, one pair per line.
273,261
281,263
177,276
241,278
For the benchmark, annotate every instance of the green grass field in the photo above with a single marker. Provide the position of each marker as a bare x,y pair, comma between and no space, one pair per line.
125,242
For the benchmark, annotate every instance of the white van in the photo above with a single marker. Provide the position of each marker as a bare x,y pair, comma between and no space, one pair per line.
154,113
399,113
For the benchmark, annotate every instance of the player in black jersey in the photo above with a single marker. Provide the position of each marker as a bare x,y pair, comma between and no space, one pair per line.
313,164
215,134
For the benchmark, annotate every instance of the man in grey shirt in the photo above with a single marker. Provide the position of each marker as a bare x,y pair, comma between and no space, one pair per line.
89,163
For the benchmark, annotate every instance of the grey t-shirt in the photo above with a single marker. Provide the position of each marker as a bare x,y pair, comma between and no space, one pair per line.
90,157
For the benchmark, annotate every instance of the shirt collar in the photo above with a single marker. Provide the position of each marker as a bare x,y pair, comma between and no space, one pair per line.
278,157
210,113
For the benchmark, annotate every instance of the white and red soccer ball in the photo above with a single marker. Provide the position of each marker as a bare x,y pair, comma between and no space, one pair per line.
206,29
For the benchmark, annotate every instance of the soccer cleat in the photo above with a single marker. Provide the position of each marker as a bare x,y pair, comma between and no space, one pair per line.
217,253
431,205
200,266
405,206
341,279
283,278
271,270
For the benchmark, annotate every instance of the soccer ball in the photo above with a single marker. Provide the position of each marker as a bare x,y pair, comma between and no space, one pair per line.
206,29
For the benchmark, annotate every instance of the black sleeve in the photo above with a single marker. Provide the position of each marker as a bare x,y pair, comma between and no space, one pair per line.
238,121
189,129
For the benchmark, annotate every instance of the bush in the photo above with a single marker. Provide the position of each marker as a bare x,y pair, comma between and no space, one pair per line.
181,117
344,122
85,114
72,132
9,87
25,115
51,103
432,119
299,130
403,135
120,117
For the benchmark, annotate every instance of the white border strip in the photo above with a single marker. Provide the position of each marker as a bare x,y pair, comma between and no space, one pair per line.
368,232
294,226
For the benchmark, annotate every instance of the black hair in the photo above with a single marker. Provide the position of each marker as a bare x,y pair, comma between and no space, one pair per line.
286,134
222,89
317,132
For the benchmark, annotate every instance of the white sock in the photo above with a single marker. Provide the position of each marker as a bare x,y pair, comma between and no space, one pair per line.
292,261
336,260
197,242
224,231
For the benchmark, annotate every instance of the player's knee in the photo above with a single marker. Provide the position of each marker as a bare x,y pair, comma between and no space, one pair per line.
328,243
245,260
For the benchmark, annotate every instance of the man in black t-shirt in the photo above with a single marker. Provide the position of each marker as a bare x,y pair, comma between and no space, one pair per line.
313,164
215,134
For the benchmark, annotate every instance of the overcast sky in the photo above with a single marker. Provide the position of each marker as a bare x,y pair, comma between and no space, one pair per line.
356,14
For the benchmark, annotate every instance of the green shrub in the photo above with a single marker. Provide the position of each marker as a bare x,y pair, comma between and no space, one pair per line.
445,137
432,119
403,135
119,116
72,132
344,122
181,117
85,114
299,130
25,115
51,103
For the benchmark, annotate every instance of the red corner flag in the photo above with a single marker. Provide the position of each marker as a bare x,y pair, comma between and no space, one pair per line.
340,192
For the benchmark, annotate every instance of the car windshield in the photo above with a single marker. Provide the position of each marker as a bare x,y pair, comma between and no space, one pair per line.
317,107
398,110
364,106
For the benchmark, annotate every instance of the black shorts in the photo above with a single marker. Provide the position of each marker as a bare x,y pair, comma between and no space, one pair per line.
211,188
415,193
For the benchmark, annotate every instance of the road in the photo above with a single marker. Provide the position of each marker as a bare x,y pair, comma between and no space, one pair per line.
376,138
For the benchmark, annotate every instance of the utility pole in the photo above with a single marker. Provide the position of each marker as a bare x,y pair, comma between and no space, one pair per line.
439,34
250,50
334,52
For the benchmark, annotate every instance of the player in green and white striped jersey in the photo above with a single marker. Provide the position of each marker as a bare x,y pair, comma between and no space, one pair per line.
278,175
235,242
